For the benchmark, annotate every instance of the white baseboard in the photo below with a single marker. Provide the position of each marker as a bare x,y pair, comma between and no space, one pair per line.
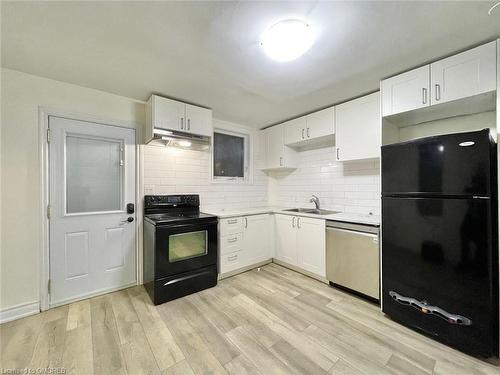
244,269
19,311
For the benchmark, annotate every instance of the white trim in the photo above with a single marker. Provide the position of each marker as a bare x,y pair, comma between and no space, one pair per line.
19,311
139,209
43,149
43,124
92,294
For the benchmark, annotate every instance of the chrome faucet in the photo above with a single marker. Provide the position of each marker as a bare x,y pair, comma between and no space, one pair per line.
315,200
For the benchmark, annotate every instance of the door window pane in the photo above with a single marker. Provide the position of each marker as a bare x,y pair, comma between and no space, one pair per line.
93,175
187,245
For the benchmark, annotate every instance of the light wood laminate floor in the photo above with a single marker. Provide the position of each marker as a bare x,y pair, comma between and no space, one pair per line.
272,321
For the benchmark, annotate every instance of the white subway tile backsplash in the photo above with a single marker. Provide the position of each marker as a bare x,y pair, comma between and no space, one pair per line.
345,186
177,171
349,186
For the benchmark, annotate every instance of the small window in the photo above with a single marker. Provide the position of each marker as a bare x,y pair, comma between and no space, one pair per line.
230,156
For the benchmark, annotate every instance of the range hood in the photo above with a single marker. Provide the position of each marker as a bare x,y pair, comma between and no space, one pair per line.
174,138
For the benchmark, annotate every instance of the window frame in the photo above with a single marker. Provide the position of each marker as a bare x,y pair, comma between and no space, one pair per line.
248,155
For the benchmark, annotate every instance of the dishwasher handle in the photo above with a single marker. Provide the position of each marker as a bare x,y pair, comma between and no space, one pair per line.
358,233
363,228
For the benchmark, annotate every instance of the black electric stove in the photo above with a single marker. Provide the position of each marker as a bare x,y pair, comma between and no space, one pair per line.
180,247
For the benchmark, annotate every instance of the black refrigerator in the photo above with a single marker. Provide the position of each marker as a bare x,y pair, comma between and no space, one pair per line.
439,239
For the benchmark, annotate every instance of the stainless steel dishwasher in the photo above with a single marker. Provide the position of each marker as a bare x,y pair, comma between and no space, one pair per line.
352,257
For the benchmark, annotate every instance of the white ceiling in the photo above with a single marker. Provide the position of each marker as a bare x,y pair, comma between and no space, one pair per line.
208,53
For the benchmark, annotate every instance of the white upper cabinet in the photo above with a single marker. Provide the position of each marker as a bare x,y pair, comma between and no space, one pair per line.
320,124
357,123
168,114
406,92
464,75
315,128
469,73
275,145
295,130
198,120
278,156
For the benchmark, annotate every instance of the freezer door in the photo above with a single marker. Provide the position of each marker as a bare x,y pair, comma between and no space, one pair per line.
439,270
454,164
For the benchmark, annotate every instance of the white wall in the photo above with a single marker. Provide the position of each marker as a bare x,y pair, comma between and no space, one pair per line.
176,171
167,171
343,186
21,96
456,124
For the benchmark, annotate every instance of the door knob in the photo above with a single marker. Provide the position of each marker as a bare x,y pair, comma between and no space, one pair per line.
129,220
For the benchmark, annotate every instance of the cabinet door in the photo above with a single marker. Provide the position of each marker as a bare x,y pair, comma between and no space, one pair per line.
321,123
167,113
406,91
286,237
261,149
311,245
469,73
257,238
275,145
198,120
358,128
295,130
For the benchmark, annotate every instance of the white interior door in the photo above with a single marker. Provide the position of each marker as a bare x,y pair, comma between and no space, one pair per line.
92,179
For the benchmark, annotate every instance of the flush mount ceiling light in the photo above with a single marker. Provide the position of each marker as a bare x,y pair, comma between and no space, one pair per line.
287,40
493,8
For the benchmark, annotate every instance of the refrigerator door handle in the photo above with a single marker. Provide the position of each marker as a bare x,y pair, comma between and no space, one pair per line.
424,308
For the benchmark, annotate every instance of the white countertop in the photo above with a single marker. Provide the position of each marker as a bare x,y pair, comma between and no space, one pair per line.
341,216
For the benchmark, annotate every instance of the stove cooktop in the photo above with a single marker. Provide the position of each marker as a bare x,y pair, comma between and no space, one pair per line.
174,217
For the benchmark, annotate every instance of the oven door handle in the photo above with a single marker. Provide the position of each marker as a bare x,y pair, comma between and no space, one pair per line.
187,277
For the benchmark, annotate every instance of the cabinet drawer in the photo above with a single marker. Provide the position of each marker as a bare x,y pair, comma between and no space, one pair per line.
231,225
231,243
231,261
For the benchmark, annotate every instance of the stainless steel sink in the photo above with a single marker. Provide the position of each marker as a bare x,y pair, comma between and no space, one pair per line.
303,210
312,211
323,212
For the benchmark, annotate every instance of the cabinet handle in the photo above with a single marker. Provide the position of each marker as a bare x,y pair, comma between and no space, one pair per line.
182,123
232,257
231,240
438,92
293,222
281,161
338,157
233,221
424,95
246,222
189,124
298,223
302,133
308,136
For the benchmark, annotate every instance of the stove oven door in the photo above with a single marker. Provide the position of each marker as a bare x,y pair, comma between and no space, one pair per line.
184,247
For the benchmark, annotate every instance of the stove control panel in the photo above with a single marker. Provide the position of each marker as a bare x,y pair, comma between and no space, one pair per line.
151,201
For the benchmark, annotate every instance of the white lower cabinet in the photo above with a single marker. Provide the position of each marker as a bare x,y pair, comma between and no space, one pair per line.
248,240
257,234
286,238
311,245
300,242
244,241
